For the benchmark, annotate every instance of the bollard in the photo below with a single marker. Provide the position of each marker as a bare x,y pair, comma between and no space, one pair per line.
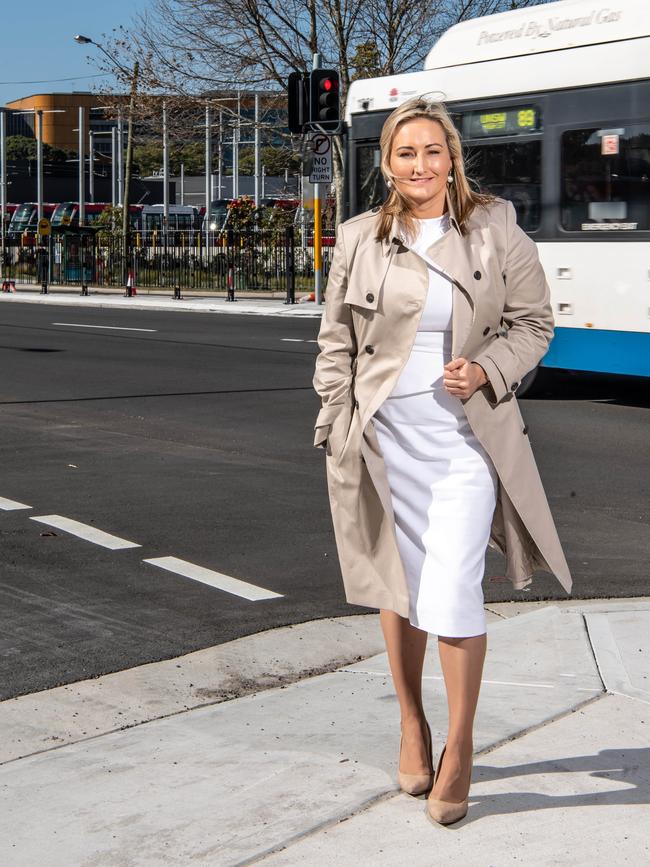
290,266
177,293
44,287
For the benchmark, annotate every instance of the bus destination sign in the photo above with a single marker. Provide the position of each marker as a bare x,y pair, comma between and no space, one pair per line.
513,120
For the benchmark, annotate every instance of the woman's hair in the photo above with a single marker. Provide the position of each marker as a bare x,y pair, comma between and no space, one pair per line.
464,199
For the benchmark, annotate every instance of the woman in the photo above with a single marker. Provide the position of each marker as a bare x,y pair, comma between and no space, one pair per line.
436,307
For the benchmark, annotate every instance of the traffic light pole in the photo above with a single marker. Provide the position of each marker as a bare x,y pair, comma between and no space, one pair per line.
318,258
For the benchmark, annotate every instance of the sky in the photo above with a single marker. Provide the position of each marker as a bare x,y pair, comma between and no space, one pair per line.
36,43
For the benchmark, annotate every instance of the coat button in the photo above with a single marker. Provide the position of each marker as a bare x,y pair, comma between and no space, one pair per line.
486,330
513,387
370,297
477,275
356,404
524,430
370,349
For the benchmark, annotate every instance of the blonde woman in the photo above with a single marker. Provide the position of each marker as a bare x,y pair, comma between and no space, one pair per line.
436,307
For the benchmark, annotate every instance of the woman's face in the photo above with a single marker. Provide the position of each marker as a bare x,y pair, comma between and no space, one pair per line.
420,162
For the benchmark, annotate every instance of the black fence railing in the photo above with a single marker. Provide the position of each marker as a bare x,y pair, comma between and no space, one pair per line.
240,261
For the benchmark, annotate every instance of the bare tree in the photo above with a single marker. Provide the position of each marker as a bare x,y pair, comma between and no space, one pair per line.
193,47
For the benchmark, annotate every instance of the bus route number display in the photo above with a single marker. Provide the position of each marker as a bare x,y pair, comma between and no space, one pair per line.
508,121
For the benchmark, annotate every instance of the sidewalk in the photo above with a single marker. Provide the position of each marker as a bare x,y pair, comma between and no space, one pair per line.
281,749
251,303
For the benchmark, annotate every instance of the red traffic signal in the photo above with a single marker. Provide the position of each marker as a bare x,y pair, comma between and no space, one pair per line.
324,98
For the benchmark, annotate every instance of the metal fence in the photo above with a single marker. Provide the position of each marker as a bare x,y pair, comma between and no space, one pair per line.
244,261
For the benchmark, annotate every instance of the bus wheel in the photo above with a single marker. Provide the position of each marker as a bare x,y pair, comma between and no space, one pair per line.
527,386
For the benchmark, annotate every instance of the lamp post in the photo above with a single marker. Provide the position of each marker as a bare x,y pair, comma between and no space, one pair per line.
133,75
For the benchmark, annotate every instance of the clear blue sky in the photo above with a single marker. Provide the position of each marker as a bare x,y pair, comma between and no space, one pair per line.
36,42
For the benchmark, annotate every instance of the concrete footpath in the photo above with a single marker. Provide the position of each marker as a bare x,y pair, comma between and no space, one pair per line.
281,749
246,303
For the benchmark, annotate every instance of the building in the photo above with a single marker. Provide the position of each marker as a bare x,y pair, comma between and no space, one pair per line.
60,118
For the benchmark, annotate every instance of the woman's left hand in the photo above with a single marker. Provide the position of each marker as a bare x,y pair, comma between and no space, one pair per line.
462,377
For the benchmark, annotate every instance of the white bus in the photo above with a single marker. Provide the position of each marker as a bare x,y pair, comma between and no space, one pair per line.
553,105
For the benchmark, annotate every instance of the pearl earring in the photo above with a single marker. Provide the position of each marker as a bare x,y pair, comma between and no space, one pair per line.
450,178
389,184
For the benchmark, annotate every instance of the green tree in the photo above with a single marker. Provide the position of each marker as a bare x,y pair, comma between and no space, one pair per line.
366,61
22,148
109,223
274,159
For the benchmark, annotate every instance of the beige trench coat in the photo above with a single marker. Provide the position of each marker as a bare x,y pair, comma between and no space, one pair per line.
374,300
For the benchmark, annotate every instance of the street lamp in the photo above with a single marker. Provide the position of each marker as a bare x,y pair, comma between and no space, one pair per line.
133,76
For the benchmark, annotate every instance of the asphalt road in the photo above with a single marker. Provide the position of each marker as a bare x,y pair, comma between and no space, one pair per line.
192,439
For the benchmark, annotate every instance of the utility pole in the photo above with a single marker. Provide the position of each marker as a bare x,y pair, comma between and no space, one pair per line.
115,196
220,155
165,168
126,221
258,153
182,183
208,173
235,164
318,263
39,162
91,166
82,167
120,157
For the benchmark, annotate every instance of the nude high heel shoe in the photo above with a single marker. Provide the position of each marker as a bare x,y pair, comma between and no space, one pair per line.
416,784
447,812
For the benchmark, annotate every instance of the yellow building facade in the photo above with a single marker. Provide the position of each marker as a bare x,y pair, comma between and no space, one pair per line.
61,115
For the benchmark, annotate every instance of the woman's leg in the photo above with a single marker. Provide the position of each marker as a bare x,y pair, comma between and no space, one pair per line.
462,667
406,646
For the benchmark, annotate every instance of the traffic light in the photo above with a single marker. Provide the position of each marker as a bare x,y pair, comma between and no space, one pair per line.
298,102
324,98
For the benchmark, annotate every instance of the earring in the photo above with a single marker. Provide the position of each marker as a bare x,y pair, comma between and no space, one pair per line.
450,178
389,184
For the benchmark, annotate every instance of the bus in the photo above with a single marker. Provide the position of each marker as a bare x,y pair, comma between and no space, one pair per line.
553,106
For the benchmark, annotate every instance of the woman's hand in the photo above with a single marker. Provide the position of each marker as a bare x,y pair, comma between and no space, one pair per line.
462,377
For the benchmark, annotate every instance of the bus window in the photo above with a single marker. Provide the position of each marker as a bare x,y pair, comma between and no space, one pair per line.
512,171
370,184
606,179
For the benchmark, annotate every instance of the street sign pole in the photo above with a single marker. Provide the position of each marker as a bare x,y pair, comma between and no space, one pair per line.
318,275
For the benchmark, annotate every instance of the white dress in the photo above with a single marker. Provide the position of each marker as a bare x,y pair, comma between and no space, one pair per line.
443,484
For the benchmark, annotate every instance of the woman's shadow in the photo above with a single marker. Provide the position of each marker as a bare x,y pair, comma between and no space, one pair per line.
628,766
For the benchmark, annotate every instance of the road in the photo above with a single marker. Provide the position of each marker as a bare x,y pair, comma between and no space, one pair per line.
189,435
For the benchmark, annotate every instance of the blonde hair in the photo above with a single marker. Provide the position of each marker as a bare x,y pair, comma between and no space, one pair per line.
464,199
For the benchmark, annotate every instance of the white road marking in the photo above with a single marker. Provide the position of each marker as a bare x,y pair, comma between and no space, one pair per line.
85,531
11,505
106,327
214,579
292,339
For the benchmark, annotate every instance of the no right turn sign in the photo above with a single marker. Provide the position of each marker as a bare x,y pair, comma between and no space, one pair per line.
321,167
